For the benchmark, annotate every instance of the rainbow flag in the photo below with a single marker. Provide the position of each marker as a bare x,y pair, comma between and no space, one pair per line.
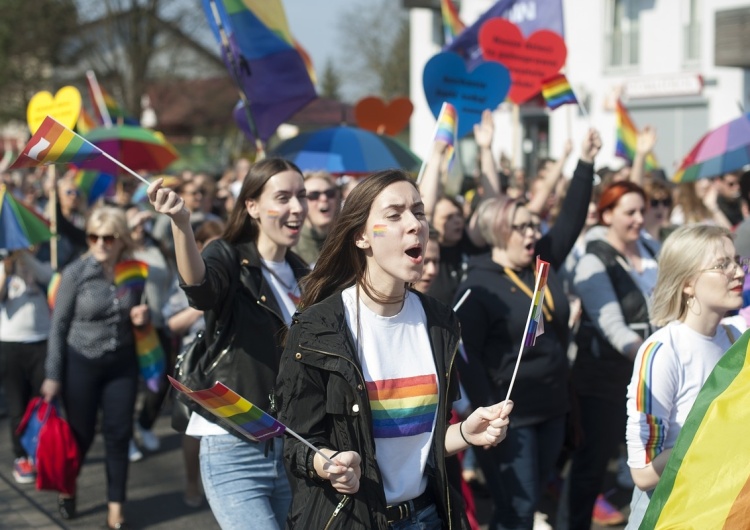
536,323
447,128
150,356
265,61
93,184
452,25
86,122
114,111
706,483
557,91
627,138
53,143
131,275
236,411
52,288
403,407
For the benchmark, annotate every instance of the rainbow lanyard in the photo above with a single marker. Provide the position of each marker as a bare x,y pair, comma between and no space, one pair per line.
549,303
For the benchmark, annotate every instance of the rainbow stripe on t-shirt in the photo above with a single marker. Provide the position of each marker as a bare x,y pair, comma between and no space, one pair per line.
403,407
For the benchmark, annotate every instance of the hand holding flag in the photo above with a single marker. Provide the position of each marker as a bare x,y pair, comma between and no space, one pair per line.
446,131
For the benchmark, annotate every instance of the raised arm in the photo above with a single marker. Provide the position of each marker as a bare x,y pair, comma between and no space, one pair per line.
550,180
484,132
430,187
645,142
190,264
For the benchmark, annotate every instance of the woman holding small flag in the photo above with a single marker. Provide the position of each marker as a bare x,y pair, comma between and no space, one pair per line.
252,268
91,356
699,280
493,322
367,376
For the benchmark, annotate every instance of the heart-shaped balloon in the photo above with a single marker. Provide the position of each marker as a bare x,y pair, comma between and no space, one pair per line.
65,107
445,79
373,114
530,61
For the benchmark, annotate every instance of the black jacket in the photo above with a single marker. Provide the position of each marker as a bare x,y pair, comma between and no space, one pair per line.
258,328
322,396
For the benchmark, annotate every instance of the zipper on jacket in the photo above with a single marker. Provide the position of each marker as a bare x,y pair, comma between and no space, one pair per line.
339,506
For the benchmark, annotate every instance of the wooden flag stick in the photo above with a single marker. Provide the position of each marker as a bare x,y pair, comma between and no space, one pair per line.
52,177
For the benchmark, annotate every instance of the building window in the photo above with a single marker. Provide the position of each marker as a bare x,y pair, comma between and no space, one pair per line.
622,33
691,31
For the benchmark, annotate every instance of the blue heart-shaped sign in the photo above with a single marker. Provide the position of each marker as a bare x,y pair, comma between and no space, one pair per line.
445,79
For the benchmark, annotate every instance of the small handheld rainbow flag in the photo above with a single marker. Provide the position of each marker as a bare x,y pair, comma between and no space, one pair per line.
452,25
53,143
447,127
536,323
239,414
557,91
52,288
131,275
706,483
627,138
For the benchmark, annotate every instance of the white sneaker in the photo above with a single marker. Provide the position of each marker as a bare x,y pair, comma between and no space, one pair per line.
540,521
148,439
134,454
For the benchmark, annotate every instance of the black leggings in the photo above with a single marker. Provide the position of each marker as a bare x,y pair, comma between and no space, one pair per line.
109,383
23,373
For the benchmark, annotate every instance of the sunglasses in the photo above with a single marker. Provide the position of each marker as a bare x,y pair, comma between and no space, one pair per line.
108,239
315,195
663,202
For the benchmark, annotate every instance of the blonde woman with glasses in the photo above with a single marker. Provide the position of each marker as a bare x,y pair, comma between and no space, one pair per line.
699,281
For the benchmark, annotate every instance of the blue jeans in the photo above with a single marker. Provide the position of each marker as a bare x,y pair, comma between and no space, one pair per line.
245,488
523,463
425,519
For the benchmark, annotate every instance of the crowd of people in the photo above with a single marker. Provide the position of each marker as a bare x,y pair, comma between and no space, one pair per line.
381,320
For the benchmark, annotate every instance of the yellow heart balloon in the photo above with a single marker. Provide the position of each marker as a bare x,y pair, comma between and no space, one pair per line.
65,107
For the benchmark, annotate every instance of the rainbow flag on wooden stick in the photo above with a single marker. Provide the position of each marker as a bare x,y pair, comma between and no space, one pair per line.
706,483
53,143
627,138
557,91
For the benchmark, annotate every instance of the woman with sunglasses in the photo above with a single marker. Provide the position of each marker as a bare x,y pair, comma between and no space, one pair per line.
91,358
252,264
367,376
615,280
324,201
493,319
699,281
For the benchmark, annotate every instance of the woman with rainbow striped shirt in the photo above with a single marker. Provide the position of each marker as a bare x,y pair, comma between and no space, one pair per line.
699,280
368,376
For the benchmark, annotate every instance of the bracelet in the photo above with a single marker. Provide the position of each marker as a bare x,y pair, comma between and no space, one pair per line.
461,432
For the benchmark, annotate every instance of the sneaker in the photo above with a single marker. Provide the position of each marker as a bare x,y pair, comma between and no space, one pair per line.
134,454
148,439
605,514
540,522
624,478
24,471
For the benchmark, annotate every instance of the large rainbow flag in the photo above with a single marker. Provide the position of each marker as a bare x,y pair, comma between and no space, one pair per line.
53,143
269,66
627,138
236,411
706,483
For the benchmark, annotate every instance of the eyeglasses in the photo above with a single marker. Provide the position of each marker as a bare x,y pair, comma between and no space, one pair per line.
108,239
315,195
73,193
663,202
536,227
729,266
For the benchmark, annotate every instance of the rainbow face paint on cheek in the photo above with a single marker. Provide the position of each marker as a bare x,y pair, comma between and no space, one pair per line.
379,230
273,214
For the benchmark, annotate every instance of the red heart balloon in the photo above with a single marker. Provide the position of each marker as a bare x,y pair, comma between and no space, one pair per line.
372,113
530,61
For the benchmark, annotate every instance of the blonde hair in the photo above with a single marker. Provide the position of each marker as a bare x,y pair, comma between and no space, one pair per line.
495,218
112,219
322,175
682,256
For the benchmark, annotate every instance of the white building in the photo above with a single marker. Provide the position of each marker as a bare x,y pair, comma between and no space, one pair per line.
662,56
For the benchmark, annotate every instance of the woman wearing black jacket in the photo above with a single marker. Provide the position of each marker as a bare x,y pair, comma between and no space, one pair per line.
367,376
493,318
245,483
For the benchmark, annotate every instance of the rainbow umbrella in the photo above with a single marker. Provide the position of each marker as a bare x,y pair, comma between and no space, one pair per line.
93,184
348,150
20,227
724,149
136,147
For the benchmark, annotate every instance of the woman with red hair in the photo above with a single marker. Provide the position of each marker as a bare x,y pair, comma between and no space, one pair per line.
615,280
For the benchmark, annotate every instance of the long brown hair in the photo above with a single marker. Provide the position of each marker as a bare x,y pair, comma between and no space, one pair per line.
241,227
341,262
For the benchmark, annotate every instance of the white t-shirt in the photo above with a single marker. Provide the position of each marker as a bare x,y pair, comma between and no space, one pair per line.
669,371
402,384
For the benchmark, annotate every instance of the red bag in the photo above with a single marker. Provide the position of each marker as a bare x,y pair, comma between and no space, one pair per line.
57,456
